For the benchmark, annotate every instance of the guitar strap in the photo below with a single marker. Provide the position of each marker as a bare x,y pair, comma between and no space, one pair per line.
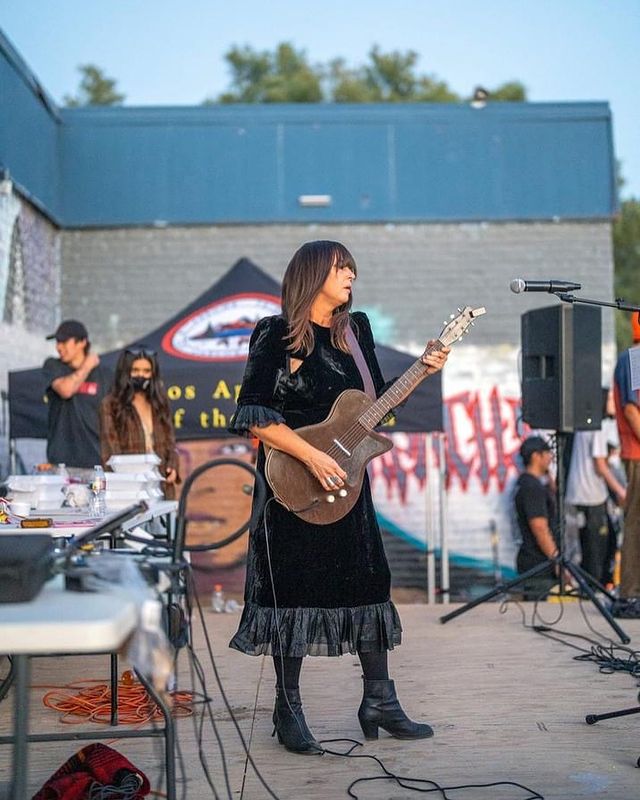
358,357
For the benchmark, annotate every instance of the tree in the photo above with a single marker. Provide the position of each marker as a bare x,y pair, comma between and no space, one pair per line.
284,76
95,89
626,256
511,91
386,78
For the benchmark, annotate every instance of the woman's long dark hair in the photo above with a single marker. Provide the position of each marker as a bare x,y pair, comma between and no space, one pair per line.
122,392
303,279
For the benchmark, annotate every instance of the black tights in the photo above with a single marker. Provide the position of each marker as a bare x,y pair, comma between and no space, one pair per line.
374,668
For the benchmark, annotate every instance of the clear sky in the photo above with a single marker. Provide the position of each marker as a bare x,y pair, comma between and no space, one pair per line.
164,52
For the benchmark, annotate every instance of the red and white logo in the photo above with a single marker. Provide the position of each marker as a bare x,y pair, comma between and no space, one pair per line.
220,331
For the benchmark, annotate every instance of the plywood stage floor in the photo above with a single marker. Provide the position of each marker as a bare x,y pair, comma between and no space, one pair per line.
506,703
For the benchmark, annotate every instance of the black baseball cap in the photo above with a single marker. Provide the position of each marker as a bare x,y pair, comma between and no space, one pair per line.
534,444
69,329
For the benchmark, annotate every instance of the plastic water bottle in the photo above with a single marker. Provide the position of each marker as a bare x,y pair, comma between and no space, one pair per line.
98,504
62,472
217,599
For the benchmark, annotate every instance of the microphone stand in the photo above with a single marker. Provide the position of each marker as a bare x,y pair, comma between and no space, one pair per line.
618,303
560,564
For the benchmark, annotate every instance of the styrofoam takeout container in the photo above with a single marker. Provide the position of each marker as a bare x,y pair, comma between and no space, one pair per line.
127,482
19,508
121,499
133,462
37,490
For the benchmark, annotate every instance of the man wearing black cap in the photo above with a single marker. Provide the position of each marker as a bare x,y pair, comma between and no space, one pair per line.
76,385
537,516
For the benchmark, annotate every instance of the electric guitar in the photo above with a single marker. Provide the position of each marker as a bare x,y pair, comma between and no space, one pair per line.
348,436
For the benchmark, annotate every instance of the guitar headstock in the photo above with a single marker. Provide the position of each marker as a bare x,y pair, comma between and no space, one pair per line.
459,324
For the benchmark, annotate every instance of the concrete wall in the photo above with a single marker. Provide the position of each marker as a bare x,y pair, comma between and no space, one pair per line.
124,282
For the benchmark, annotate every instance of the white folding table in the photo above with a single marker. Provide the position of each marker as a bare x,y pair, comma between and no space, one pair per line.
60,622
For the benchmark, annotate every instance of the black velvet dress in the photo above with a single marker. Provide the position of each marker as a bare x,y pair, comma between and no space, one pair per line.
331,582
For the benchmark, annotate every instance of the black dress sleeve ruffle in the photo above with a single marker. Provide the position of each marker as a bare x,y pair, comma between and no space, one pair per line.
258,404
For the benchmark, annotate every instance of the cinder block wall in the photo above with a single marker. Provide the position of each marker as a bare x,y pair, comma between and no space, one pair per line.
124,282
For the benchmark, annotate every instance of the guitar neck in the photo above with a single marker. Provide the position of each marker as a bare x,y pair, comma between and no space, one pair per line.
398,391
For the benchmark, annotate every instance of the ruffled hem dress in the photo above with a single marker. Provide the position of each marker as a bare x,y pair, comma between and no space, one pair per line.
310,589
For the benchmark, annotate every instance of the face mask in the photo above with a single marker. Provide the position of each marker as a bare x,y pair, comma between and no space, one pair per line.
140,384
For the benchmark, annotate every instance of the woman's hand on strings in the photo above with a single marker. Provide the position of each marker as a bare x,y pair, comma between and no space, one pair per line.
327,471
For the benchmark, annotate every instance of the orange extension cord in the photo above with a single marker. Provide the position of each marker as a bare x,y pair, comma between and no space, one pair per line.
91,701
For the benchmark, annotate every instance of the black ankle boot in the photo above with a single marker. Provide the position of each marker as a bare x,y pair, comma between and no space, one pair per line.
380,708
290,725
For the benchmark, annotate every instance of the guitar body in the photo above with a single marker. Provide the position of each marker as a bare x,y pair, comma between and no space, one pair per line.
299,491
349,441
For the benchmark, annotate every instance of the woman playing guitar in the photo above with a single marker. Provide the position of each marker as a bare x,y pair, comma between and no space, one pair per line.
317,589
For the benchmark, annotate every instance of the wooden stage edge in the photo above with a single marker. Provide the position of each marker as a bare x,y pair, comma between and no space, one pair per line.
506,703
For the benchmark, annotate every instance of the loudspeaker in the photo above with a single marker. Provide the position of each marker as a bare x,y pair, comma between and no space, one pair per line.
561,367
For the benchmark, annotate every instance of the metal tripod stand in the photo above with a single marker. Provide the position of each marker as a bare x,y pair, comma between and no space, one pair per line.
591,719
586,582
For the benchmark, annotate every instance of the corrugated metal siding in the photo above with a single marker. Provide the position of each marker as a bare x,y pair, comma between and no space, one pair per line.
378,163
28,131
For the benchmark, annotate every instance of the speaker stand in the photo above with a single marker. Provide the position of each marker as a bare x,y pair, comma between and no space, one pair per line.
560,564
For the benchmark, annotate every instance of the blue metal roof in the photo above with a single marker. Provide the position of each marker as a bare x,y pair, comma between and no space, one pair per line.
29,130
251,164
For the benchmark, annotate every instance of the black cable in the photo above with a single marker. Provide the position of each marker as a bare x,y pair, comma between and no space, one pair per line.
275,614
196,670
400,780
183,770
221,688
8,679
404,781
181,527
610,657
253,722
198,722
590,626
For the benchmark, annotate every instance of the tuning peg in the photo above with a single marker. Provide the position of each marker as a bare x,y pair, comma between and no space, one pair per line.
459,310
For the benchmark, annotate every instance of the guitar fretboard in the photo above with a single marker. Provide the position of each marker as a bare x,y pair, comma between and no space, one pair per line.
398,391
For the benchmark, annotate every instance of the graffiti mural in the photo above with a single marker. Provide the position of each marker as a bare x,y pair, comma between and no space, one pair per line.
30,282
416,495
9,212
483,436
29,265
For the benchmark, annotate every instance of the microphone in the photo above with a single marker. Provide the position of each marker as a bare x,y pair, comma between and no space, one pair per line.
518,285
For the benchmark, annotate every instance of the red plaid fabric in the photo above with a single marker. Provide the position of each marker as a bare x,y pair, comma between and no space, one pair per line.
96,763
